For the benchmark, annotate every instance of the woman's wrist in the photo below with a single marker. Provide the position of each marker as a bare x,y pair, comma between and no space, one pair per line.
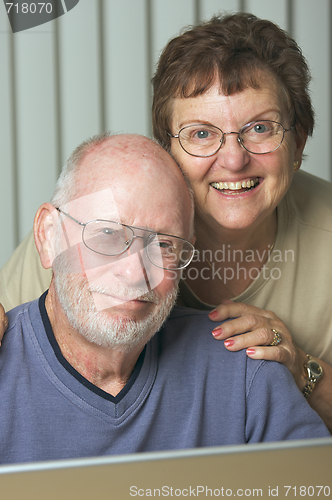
314,372
301,375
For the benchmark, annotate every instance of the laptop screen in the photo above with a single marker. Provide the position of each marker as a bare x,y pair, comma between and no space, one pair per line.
292,469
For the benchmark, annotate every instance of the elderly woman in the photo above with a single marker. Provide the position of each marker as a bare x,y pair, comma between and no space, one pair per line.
231,104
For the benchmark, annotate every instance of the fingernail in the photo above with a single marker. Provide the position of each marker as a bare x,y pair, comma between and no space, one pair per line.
250,352
213,314
229,342
217,331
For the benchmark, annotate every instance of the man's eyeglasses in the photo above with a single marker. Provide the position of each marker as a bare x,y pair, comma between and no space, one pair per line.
111,238
260,137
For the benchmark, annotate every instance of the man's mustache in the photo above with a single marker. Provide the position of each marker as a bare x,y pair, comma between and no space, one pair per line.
126,293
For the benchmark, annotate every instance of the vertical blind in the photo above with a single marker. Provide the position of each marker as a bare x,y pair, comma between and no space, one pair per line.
90,70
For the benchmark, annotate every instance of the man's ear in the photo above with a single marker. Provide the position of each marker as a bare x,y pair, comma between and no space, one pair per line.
44,229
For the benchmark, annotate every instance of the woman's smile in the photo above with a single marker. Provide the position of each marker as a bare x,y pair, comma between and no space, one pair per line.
236,188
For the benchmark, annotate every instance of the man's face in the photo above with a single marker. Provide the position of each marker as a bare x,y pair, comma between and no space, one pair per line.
106,327
122,300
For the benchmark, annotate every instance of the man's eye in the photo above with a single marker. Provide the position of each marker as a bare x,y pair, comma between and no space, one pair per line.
162,246
107,231
165,245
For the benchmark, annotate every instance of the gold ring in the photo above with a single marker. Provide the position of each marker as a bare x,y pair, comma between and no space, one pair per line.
276,339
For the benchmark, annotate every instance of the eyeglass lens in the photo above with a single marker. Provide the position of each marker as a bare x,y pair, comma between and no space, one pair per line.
257,137
111,238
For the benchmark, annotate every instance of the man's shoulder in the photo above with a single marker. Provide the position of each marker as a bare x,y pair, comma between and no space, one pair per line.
190,331
189,319
19,315
19,341
263,372
188,325
16,312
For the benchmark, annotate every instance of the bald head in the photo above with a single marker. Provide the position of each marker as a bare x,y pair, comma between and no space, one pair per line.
143,179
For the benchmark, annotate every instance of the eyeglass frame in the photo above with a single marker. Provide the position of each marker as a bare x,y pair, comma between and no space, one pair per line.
223,134
132,229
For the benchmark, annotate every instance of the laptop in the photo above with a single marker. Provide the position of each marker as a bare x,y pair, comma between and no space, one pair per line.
292,469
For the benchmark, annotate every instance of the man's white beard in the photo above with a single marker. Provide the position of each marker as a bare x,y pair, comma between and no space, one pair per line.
100,327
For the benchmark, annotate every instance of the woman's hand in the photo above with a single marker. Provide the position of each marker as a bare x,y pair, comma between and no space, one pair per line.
3,322
253,328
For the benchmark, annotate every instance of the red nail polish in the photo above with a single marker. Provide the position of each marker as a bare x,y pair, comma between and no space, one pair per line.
229,342
213,314
250,351
217,331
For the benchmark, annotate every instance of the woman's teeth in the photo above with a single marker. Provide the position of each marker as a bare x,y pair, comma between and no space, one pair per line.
235,186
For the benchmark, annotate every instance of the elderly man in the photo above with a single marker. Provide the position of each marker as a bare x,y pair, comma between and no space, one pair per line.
88,368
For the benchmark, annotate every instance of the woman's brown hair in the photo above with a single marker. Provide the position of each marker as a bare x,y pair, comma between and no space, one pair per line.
233,49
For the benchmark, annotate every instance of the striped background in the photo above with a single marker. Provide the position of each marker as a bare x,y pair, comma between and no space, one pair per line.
90,71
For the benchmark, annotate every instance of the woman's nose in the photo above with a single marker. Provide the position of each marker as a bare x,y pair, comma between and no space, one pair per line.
232,156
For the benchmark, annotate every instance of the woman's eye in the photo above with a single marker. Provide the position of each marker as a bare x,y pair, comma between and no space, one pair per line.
202,134
260,128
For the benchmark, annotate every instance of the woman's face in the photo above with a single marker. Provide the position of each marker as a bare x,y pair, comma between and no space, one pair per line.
272,173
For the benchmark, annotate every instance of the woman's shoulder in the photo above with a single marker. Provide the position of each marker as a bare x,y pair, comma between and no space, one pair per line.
309,199
308,182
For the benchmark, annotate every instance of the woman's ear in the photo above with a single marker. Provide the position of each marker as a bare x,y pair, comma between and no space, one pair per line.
44,229
300,141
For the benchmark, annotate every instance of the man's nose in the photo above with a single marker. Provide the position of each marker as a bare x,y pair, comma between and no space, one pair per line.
132,268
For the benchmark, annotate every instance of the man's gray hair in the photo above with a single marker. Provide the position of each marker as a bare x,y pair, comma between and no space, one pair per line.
65,186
